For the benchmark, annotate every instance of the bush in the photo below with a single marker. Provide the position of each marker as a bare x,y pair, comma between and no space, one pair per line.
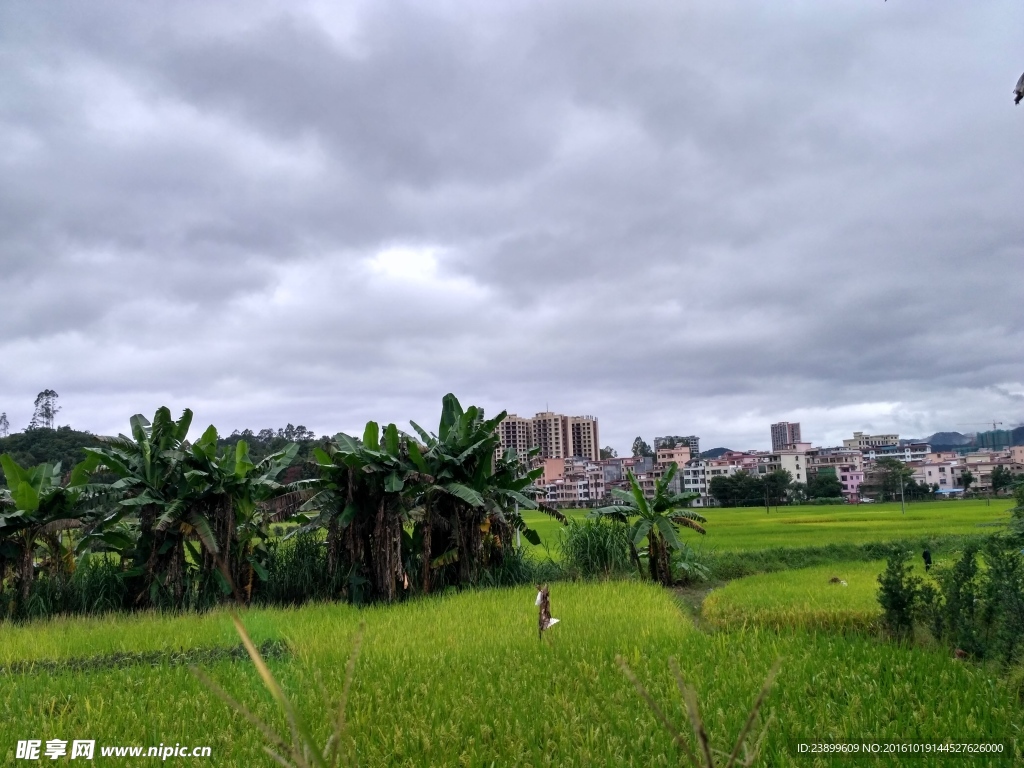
899,594
691,565
297,572
518,567
595,548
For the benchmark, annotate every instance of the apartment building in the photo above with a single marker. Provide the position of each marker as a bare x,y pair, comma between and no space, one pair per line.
674,441
555,435
516,433
861,442
572,482
785,434
906,453
680,455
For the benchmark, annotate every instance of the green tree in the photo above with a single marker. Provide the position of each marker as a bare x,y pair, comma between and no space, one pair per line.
967,479
608,452
1002,478
46,409
655,519
891,476
824,485
776,483
640,448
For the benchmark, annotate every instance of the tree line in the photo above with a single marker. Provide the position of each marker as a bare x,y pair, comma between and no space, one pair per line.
394,513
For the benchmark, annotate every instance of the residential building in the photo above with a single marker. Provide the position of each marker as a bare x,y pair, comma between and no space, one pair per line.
555,435
906,452
680,455
515,432
785,434
548,432
573,482
582,438
674,441
860,441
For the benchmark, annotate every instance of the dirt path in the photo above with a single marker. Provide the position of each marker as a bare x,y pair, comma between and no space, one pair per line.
690,598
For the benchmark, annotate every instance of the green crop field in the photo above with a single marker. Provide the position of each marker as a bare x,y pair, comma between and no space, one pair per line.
750,528
463,680
805,598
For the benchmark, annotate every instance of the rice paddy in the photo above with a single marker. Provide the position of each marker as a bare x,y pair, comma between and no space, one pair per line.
751,528
835,597
463,680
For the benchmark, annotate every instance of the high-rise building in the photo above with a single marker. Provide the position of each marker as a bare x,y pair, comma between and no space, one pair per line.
557,436
785,434
582,438
676,441
515,432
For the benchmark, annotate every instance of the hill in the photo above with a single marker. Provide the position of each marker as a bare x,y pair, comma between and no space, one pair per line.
38,446
714,453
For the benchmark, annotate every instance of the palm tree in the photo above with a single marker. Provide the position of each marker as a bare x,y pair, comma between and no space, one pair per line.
656,519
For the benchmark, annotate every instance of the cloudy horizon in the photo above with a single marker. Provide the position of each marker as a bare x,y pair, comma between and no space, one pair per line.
693,218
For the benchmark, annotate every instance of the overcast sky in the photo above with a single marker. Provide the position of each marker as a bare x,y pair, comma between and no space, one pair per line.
681,217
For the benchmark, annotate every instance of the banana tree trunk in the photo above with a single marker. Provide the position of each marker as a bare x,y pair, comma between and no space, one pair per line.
26,569
387,538
333,548
654,556
427,553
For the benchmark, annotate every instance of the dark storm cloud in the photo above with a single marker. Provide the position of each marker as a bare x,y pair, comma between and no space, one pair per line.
678,217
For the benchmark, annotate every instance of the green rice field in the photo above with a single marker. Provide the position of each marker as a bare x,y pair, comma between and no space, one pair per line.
463,680
835,597
750,528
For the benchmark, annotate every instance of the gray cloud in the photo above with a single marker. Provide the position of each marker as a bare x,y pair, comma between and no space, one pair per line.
678,218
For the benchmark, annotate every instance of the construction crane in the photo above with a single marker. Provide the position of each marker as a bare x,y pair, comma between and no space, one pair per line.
995,424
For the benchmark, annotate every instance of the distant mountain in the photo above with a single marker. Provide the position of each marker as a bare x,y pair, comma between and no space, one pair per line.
949,438
714,453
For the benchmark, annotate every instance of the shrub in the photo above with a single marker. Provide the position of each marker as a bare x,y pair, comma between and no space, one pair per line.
899,594
691,565
960,597
517,567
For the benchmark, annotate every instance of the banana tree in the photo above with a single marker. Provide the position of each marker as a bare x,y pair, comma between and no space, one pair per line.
360,498
35,508
655,519
468,495
153,493
231,492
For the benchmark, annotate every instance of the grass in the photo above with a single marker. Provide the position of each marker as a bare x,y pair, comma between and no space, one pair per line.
805,598
750,528
463,680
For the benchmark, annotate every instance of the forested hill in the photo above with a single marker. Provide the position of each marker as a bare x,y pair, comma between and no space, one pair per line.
39,446
64,444
714,453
